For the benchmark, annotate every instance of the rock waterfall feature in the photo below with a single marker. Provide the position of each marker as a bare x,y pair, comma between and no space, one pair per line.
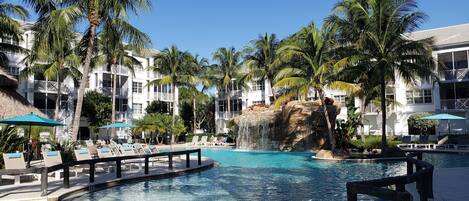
298,126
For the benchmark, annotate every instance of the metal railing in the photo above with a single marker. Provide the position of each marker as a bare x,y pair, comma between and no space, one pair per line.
422,177
123,92
455,74
92,166
225,115
455,104
50,86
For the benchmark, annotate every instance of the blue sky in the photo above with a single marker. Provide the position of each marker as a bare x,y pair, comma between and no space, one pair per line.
202,26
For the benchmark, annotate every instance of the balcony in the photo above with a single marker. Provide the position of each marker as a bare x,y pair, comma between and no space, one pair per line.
461,104
122,92
226,116
122,70
233,93
50,86
456,74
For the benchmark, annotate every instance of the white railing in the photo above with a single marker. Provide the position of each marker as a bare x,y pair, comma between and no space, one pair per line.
123,92
455,104
456,74
50,86
225,115
222,94
164,96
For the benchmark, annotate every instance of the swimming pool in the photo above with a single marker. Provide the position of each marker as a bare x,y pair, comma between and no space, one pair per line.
265,176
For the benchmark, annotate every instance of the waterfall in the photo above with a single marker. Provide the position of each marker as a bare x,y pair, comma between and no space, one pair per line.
253,135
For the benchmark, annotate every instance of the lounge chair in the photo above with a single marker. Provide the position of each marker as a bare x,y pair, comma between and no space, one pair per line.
16,161
52,158
195,140
203,141
84,154
213,141
105,152
129,150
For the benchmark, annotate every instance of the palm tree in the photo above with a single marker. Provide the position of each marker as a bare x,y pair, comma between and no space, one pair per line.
95,13
175,66
311,46
226,70
383,48
198,64
10,29
53,52
113,51
263,62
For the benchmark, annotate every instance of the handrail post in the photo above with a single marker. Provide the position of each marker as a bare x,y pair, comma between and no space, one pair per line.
92,170
118,168
146,164
44,181
188,160
170,160
410,166
199,157
66,176
351,194
430,182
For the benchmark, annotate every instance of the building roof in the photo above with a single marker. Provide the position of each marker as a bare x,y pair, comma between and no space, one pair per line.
6,80
445,37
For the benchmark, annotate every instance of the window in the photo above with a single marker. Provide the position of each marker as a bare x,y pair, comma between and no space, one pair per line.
460,59
454,60
419,96
258,103
137,87
236,105
258,85
221,106
445,61
340,99
137,108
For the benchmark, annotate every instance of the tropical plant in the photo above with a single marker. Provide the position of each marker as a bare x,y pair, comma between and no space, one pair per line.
10,30
113,52
97,109
158,123
262,60
317,72
225,73
157,107
10,141
383,48
420,126
175,66
53,53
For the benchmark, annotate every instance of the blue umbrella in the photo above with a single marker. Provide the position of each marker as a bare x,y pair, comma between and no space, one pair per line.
30,120
444,116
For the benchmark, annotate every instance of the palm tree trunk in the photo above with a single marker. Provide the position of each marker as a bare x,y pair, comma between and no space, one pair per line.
194,113
362,114
173,120
328,121
84,81
228,99
57,100
383,113
113,113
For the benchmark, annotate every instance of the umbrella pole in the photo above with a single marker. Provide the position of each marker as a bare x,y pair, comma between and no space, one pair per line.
449,128
28,151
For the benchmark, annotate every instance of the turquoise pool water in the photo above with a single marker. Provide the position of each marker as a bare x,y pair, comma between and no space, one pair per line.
265,176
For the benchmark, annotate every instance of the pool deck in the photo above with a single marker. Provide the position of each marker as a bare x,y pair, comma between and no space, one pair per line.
449,184
32,190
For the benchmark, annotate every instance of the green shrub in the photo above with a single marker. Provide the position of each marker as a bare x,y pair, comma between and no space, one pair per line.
420,126
374,142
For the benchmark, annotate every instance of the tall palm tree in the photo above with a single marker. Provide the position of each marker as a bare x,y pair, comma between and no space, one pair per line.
10,29
318,71
383,48
113,51
198,64
53,53
263,62
226,70
96,13
175,66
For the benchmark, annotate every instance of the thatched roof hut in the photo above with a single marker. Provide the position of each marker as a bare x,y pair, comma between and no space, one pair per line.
11,102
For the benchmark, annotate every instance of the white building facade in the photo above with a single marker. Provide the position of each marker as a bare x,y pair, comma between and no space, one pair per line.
449,95
132,94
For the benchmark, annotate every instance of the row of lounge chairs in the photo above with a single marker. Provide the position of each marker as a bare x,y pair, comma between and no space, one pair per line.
91,151
430,142
214,141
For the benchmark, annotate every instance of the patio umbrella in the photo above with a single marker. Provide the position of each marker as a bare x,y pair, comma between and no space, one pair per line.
30,120
444,116
117,125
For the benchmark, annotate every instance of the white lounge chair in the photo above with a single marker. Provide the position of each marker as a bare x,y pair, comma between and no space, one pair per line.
52,158
195,140
16,161
203,141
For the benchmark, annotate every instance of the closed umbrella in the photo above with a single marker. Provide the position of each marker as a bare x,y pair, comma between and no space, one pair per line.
30,120
444,116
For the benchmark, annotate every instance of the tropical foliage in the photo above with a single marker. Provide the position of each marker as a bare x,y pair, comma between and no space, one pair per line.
10,30
97,109
157,123
10,141
419,126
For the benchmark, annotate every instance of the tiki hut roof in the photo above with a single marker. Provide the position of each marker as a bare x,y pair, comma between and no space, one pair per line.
11,102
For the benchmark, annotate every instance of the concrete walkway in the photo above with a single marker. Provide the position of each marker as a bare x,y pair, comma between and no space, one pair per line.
32,190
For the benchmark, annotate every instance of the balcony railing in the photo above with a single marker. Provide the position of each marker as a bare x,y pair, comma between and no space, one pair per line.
455,104
225,115
456,74
222,94
119,70
50,86
123,92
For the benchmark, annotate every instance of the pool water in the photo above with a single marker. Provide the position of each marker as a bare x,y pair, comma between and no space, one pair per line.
244,175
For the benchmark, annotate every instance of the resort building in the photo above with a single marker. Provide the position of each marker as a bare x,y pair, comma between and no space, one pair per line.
132,94
448,95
